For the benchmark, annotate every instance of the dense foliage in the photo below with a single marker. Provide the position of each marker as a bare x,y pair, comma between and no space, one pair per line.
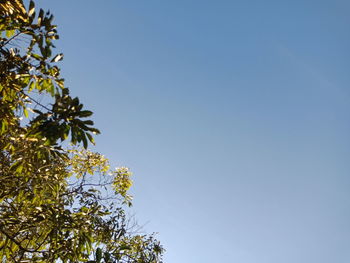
58,203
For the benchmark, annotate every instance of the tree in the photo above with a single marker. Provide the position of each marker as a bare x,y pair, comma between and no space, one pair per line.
58,203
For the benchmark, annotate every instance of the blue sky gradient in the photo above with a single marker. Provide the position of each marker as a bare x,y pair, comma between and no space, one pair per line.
233,116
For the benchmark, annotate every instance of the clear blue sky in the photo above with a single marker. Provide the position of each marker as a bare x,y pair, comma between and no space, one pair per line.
233,116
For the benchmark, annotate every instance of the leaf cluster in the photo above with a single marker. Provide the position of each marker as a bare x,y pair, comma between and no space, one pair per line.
57,204
28,73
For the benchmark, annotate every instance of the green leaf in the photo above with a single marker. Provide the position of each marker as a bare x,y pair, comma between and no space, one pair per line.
85,142
88,122
37,56
107,257
31,11
25,112
40,17
94,130
4,126
85,113
98,255
10,33
57,58
91,139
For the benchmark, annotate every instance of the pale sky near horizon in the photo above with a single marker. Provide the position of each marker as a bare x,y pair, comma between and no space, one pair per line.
232,115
